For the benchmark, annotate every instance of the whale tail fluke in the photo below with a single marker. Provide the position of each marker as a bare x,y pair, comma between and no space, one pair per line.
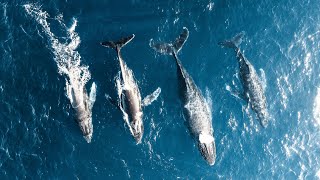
179,42
118,44
170,48
234,42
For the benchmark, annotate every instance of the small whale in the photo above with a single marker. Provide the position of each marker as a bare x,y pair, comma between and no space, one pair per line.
196,109
253,93
130,102
82,104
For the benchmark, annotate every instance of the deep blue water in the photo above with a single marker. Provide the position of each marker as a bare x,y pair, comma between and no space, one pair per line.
39,138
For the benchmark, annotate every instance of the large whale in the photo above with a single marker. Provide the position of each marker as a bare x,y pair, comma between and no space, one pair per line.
253,93
130,99
82,104
196,109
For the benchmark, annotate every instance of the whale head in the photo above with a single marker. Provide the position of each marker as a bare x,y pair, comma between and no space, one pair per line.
88,138
207,147
263,118
86,128
137,127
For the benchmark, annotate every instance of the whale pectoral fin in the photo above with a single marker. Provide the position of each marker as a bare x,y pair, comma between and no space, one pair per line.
242,96
92,95
151,97
112,101
237,94
262,78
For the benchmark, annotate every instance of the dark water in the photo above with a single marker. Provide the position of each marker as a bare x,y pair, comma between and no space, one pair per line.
39,137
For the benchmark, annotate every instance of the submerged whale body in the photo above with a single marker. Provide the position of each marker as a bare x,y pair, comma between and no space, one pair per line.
130,102
196,109
253,93
82,104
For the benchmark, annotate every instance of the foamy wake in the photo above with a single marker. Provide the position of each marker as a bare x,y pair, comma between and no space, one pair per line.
67,58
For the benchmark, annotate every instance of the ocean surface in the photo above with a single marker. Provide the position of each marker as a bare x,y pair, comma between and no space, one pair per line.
39,136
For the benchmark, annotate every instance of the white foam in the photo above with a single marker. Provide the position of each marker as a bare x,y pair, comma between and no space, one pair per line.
67,58
285,89
210,6
205,138
232,122
318,174
228,88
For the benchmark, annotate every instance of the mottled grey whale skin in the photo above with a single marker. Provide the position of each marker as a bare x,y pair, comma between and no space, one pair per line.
253,90
130,100
83,107
196,109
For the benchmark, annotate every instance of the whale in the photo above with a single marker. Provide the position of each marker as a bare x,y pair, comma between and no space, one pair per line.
253,90
130,102
82,104
196,109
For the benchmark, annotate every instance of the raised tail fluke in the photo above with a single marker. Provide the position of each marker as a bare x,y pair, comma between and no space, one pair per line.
179,42
118,44
170,48
234,42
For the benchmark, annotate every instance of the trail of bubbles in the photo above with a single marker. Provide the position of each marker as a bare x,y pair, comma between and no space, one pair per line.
232,122
4,15
68,61
285,89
